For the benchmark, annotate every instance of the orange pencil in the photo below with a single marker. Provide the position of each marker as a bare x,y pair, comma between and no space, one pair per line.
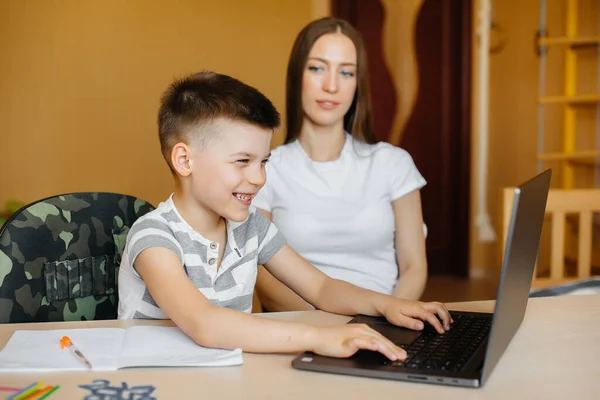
65,341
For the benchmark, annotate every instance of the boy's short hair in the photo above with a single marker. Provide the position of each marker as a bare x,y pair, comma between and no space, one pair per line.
189,104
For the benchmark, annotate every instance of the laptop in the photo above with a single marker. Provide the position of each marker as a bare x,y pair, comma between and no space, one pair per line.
467,354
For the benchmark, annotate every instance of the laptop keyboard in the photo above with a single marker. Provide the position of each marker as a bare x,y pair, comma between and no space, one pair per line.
449,351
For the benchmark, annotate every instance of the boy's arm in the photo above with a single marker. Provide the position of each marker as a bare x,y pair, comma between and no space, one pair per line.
410,246
274,295
341,297
219,327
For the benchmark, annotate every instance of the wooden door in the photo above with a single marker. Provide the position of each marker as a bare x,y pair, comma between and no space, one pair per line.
437,131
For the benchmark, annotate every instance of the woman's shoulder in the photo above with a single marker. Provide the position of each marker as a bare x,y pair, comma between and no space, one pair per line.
382,152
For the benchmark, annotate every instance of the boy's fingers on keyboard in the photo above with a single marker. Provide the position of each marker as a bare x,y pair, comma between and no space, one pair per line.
399,352
432,319
406,321
366,330
441,310
377,344
362,342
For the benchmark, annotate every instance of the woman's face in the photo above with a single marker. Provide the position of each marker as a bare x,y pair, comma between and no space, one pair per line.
329,80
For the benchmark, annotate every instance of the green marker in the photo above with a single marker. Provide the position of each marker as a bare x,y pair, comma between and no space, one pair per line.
50,392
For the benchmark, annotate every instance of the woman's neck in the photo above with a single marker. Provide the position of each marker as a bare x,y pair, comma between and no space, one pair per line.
322,143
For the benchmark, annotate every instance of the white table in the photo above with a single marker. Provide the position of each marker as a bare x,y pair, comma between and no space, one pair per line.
554,355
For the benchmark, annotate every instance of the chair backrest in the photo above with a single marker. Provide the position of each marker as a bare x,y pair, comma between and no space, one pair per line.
582,202
59,257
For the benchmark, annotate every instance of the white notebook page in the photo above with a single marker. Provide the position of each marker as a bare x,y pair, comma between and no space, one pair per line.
39,351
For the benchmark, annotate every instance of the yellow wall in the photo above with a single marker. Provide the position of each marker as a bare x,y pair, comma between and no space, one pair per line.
80,82
513,109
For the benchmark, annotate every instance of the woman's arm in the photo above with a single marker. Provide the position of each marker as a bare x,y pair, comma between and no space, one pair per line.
410,246
274,295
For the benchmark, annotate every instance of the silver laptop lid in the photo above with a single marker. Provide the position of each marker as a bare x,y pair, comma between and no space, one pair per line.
522,244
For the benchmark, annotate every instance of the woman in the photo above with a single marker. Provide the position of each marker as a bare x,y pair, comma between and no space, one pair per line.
349,205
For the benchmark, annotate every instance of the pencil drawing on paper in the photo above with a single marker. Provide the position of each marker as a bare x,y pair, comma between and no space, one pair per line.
101,390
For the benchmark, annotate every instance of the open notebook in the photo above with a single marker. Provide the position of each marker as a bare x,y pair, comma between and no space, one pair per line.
109,349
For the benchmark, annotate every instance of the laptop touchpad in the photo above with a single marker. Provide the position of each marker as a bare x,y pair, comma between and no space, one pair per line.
396,334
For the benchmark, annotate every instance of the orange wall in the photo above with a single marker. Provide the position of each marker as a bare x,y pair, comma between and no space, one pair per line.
80,82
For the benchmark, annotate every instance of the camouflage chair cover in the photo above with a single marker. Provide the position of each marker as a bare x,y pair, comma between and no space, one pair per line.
59,257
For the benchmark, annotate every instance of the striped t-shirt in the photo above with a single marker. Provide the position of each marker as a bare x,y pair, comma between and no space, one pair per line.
249,243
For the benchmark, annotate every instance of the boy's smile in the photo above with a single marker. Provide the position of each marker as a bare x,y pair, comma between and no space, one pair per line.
245,198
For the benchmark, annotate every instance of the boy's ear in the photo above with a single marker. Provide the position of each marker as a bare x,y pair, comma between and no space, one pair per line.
181,159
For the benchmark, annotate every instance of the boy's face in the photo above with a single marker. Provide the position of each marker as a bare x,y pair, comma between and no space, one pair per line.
229,170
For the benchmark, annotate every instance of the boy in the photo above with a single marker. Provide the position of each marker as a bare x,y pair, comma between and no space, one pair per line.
194,259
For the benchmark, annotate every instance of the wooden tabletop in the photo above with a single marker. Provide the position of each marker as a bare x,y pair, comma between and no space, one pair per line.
554,355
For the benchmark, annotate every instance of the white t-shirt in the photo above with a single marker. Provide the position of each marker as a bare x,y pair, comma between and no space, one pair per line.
338,214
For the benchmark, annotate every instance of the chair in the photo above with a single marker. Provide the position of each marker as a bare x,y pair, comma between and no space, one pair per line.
582,202
59,257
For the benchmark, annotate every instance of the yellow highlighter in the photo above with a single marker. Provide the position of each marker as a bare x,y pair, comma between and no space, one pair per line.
65,341
23,393
37,394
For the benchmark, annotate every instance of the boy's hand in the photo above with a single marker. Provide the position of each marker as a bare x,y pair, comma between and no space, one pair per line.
410,314
344,341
